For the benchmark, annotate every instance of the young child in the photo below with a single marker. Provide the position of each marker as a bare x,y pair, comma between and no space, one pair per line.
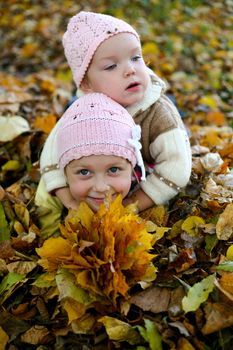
97,147
104,54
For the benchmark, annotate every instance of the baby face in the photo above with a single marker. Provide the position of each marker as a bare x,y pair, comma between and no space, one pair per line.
118,70
91,179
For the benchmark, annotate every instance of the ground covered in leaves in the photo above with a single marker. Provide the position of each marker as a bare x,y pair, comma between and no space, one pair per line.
188,267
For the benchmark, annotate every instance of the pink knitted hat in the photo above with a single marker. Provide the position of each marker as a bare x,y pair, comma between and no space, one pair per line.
85,32
94,125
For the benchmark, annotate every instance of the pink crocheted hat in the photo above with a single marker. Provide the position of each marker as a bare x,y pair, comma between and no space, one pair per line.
85,32
94,125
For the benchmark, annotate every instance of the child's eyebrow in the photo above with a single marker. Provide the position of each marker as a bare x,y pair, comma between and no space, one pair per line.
131,51
108,58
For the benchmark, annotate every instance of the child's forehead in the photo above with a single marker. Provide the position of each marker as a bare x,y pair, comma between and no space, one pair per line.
102,160
117,43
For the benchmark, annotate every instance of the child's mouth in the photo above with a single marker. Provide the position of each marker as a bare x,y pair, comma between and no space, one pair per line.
133,86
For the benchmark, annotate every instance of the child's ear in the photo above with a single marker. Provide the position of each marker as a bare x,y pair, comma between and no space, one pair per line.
85,86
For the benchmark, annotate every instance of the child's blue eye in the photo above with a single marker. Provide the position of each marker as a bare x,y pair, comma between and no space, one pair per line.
136,58
114,169
111,67
84,172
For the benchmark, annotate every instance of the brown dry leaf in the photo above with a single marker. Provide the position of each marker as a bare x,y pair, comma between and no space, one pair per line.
216,193
224,226
184,344
218,316
153,299
2,193
36,335
185,260
175,304
3,267
21,267
6,250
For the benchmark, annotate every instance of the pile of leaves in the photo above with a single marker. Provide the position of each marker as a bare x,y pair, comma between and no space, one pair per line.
97,258
188,303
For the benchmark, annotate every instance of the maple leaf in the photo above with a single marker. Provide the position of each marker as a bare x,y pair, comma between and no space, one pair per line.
106,253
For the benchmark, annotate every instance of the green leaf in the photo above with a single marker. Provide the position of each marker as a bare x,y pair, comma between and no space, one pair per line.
151,335
67,288
46,280
198,293
4,228
210,243
9,280
226,266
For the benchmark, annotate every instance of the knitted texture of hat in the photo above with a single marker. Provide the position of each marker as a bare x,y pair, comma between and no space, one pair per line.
94,125
85,32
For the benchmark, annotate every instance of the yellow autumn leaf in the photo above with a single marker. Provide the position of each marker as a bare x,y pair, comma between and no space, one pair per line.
54,247
45,123
176,229
209,101
118,330
23,214
212,138
11,165
53,251
84,324
229,253
3,339
106,252
74,309
150,48
191,225
29,49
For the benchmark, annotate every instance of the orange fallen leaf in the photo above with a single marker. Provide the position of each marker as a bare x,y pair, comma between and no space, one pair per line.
116,257
45,123
216,118
226,282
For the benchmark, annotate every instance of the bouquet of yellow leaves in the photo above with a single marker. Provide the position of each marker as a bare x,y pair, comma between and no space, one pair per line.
98,257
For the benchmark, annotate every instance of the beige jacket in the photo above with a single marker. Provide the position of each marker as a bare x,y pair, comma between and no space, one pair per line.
165,143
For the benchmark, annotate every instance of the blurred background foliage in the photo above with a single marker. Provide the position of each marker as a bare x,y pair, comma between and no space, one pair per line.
188,42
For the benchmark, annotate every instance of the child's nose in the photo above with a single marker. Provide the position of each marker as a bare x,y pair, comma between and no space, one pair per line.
129,70
101,185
